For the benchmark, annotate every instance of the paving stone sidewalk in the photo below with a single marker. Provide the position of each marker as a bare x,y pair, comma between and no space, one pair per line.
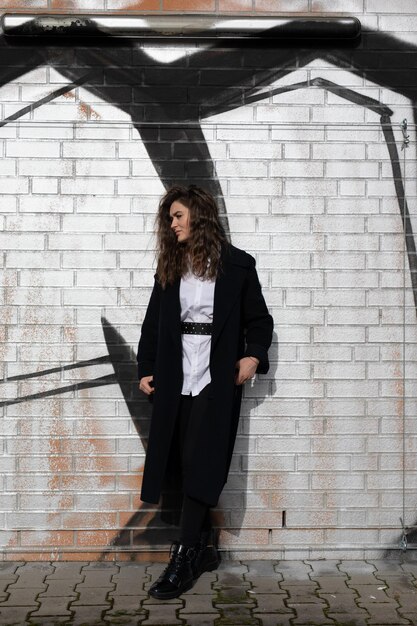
250,593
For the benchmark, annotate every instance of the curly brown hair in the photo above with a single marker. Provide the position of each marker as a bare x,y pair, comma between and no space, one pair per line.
201,251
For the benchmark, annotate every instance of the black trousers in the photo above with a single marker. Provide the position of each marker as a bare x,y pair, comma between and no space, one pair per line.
195,515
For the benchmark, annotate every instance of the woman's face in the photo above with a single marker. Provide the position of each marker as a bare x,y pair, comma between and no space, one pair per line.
180,220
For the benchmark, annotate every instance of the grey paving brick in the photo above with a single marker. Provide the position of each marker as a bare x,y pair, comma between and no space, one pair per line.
99,578
266,584
357,567
294,571
200,620
70,570
387,567
342,603
23,597
348,619
328,567
373,594
129,604
161,614
385,615
64,587
234,614
6,581
9,568
32,574
198,603
14,615
232,595
332,584
302,593
311,614
260,568
91,596
271,603
274,619
88,615
53,607
48,621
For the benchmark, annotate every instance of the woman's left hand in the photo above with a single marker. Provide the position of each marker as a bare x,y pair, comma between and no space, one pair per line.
245,369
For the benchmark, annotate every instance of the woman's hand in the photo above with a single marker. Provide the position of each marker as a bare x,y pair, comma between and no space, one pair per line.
245,369
146,386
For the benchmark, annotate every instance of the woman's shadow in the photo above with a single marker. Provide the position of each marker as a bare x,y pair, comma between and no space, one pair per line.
152,525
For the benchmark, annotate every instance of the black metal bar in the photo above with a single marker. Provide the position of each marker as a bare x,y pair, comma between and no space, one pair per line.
180,26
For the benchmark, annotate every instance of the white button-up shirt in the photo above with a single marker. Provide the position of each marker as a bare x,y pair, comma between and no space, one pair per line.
196,299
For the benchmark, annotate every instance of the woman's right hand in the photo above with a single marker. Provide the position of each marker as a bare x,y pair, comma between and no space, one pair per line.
146,385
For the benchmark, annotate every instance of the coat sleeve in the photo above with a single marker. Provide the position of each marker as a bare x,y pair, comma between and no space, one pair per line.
257,321
148,341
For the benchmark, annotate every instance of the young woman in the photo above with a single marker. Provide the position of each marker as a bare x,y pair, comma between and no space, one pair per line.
206,332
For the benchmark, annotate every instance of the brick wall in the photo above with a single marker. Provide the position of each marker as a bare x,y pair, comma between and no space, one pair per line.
311,183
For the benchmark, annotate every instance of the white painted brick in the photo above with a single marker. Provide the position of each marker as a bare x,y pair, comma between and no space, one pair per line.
325,353
398,23
335,114
352,242
301,278
45,167
8,204
338,224
352,187
142,186
32,223
339,334
128,242
16,241
288,223
381,188
8,167
255,150
269,113
296,334
309,205
242,169
32,296
352,279
327,371
340,152
298,242
102,167
65,241
89,149
283,444
297,169
385,224
241,134
386,334
87,223
89,186
289,389
11,185
45,204
392,242
34,149
338,481
312,95
242,224
300,316
298,297
102,278
261,187
101,205
90,296
311,187
324,462
257,462
45,185
352,316
363,206
333,260
366,353
46,132
81,258
297,150
362,389
47,278
240,114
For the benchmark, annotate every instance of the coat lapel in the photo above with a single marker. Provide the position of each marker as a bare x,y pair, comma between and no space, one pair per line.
227,289
173,310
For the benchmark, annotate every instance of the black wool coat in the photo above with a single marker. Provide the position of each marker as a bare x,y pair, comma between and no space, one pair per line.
242,326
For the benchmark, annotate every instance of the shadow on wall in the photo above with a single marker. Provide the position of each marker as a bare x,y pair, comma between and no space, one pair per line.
106,71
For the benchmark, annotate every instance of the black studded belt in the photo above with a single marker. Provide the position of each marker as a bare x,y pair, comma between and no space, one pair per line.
195,328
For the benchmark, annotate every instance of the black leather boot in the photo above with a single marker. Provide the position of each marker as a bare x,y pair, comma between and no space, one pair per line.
178,576
207,557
